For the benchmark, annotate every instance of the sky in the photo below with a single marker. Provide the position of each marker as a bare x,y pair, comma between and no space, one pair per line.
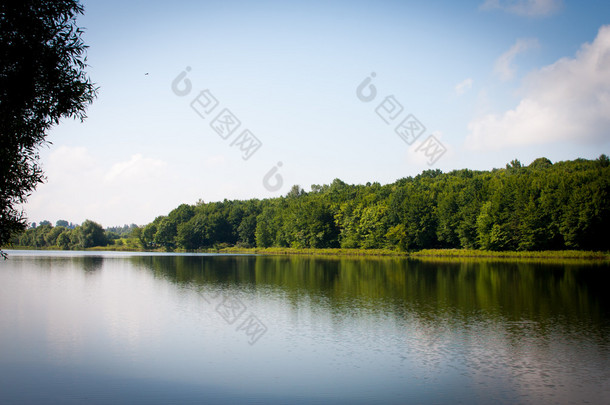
214,100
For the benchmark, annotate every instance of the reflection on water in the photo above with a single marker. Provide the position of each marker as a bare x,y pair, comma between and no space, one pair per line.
160,328
455,291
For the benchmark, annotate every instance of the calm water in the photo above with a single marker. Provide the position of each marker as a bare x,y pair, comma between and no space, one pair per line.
108,328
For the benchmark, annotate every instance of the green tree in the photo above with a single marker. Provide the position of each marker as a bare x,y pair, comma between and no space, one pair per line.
448,218
541,206
485,223
540,164
268,225
148,235
91,234
397,237
192,235
181,214
53,234
247,231
373,226
63,240
40,235
470,200
42,80
166,233
136,235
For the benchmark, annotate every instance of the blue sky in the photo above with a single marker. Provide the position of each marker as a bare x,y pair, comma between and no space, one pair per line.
489,80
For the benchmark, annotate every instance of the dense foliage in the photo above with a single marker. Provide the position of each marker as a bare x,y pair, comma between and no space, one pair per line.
65,235
543,206
565,205
42,80
89,234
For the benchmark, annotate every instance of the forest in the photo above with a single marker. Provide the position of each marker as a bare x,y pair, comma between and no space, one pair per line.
68,236
543,206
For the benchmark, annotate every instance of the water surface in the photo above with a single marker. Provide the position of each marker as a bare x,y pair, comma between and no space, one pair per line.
142,328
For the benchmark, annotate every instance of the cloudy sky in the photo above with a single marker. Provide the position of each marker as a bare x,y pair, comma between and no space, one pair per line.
239,99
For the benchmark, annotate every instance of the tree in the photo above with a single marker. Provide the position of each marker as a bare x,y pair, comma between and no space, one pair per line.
42,80
166,233
541,206
92,234
192,235
485,222
53,234
247,231
295,191
372,226
267,227
541,163
183,213
63,240
147,238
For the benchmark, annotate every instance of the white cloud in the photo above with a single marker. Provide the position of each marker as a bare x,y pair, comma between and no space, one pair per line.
463,86
504,64
70,159
81,186
215,162
528,8
566,101
138,169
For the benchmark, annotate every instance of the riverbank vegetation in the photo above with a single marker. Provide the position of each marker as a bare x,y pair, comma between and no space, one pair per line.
543,206
563,206
67,236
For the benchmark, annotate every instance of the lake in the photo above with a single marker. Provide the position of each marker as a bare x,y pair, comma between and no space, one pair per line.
104,327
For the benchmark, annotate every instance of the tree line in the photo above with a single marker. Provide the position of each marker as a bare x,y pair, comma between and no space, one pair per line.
543,206
64,235
68,236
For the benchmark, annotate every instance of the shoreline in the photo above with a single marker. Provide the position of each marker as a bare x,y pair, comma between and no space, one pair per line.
421,254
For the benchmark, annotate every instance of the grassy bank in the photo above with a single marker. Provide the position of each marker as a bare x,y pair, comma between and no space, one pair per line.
428,253
312,252
110,248
546,254
421,254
